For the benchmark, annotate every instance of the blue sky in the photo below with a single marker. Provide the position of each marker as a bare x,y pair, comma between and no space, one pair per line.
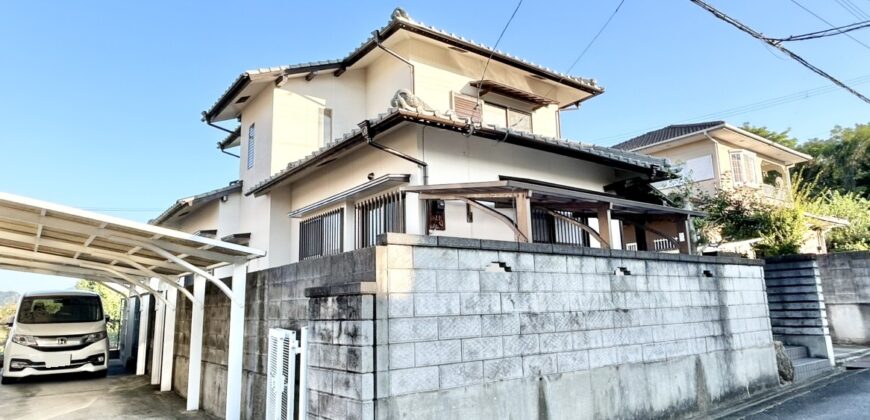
101,100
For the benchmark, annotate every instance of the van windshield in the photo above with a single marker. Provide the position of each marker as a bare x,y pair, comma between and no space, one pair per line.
59,309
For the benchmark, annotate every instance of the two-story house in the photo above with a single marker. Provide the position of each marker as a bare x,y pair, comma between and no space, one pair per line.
408,134
715,155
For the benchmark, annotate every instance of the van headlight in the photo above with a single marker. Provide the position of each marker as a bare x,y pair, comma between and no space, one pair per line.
93,338
24,340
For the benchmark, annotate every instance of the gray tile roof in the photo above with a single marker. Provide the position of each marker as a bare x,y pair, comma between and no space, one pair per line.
665,134
194,200
399,19
624,158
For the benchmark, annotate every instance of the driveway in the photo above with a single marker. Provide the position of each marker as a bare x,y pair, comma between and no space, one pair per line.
847,398
120,396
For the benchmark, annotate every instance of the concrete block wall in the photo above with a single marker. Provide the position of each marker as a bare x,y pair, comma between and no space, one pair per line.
275,298
845,279
482,329
797,304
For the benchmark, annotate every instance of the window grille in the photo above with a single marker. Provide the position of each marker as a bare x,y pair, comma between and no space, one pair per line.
322,235
385,213
251,135
549,230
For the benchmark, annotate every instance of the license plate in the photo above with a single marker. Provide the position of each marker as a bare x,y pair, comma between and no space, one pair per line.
54,360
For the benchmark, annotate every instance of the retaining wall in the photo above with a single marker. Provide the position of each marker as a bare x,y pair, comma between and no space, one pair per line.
845,279
428,327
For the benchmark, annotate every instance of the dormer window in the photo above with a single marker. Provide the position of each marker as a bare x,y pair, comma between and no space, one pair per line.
744,167
251,134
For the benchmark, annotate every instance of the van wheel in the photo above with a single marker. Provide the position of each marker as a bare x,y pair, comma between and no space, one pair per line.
6,381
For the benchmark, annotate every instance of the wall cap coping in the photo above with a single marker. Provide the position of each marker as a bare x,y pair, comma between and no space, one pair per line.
492,245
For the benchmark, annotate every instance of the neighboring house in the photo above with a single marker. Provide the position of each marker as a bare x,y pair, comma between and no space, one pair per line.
405,135
715,155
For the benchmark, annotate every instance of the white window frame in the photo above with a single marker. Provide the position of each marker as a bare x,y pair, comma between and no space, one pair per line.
326,115
745,172
252,132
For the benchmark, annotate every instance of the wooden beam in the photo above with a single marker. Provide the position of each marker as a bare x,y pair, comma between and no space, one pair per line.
580,225
523,205
604,223
498,215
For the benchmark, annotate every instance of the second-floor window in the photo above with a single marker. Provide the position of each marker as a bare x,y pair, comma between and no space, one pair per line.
744,167
321,235
251,135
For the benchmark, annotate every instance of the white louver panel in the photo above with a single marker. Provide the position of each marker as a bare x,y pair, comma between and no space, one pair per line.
281,395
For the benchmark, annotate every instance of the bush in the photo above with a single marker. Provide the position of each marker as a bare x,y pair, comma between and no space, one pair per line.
849,206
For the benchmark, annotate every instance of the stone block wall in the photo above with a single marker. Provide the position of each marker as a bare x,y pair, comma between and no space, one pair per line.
481,329
426,327
275,298
845,279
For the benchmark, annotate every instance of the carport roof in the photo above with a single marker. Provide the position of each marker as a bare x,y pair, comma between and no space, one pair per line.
48,238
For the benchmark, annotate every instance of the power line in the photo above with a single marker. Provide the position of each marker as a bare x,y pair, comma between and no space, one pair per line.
852,9
840,30
829,23
737,24
595,38
494,48
743,109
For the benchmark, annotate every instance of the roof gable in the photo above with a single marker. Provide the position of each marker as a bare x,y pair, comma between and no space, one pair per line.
664,134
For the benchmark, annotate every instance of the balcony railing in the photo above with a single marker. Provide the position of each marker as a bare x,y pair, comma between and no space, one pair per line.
774,193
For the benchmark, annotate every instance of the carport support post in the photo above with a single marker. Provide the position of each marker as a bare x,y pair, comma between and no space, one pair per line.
168,341
157,347
236,342
195,365
142,348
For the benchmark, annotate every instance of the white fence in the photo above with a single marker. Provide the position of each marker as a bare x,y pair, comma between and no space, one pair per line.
281,394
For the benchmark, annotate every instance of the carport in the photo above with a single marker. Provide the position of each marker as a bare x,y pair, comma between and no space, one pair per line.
150,262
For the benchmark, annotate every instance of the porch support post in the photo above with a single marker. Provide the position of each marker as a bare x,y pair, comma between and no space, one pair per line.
195,361
142,348
604,224
524,215
157,346
236,342
168,341
686,228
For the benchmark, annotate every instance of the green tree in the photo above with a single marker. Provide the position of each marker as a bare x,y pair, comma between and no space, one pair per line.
851,207
781,137
841,162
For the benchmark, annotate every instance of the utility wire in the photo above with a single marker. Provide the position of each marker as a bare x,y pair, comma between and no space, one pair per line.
829,23
494,48
840,30
595,38
737,24
589,45
852,9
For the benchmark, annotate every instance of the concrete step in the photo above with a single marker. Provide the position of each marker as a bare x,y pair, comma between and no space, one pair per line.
796,352
809,367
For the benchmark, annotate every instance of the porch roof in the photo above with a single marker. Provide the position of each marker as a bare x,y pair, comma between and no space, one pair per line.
542,194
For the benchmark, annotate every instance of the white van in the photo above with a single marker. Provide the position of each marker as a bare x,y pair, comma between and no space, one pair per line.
56,332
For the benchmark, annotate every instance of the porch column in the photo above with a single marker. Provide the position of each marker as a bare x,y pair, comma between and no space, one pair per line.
157,346
524,215
194,370
236,342
142,348
604,224
686,228
168,341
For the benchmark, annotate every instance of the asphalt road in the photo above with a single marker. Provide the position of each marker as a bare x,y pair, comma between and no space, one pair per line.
848,398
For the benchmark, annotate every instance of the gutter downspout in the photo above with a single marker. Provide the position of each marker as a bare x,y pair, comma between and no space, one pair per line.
716,161
365,126
377,36
207,121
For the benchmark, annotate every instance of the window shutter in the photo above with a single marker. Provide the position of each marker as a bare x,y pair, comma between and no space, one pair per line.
251,136
464,107
749,167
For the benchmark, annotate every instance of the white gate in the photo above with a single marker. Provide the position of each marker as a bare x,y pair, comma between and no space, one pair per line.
281,396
